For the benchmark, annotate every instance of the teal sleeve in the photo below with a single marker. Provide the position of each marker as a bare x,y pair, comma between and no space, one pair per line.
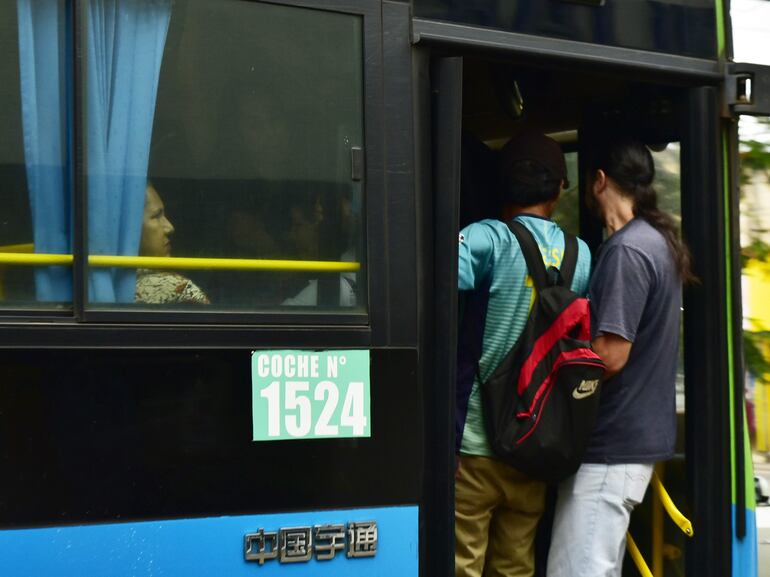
582,270
474,255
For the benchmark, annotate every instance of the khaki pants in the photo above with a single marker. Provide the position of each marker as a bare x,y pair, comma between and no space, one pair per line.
497,510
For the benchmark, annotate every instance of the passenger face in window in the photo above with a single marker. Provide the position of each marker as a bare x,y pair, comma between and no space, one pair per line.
156,228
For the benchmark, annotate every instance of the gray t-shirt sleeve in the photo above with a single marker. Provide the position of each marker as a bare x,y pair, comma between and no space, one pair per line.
619,291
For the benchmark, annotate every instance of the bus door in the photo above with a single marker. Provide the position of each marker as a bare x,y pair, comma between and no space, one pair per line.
485,97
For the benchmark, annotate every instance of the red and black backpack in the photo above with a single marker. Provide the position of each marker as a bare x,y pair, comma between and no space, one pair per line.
541,401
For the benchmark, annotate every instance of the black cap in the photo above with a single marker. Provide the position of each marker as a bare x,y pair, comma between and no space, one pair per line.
534,146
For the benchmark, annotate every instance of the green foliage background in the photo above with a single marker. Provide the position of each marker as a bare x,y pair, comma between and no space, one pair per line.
755,157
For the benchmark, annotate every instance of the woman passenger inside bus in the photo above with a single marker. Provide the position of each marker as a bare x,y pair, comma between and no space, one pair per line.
159,286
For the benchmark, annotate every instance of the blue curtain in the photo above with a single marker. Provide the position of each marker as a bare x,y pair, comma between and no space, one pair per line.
125,49
45,59
124,45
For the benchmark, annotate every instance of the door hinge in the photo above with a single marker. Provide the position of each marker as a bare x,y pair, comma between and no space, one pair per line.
747,89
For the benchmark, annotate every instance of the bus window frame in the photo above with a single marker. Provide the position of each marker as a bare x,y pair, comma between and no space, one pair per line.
473,38
374,235
368,11
392,180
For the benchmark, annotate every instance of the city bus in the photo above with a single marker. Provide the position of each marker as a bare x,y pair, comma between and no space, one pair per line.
228,269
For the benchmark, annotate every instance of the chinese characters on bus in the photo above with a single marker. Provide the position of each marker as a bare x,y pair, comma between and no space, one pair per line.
300,544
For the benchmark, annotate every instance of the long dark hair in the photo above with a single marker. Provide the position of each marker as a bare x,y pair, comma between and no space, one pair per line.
629,164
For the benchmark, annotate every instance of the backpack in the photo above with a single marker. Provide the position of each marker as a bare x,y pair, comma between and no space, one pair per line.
540,403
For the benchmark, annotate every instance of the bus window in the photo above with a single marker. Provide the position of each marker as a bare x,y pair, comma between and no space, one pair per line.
30,167
668,178
253,198
567,213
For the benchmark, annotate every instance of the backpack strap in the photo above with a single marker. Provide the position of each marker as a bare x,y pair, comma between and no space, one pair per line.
569,260
531,252
534,259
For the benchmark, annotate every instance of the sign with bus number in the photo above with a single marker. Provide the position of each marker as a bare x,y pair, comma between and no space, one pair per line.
310,394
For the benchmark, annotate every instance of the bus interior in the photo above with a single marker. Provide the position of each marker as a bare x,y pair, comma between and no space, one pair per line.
571,103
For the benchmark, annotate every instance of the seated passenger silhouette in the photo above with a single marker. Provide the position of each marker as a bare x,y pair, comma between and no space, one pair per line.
316,234
302,242
158,286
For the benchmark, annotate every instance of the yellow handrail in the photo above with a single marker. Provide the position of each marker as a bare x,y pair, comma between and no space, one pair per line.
35,259
676,515
658,530
636,555
162,262
26,247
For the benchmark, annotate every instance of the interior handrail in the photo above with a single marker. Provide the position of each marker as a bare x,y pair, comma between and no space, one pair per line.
676,516
185,263
636,555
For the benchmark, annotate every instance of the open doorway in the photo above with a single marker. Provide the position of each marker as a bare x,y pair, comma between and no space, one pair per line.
572,105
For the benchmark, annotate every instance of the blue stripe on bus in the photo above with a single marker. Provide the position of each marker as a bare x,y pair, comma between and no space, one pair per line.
745,550
209,546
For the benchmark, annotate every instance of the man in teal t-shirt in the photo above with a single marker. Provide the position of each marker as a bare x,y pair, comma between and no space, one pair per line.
497,509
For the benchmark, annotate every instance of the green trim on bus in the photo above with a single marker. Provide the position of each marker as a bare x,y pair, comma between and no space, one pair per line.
721,37
729,301
748,477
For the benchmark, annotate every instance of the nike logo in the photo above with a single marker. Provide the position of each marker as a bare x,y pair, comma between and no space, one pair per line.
585,389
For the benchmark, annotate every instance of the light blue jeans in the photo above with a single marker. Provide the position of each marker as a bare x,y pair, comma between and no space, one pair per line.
593,510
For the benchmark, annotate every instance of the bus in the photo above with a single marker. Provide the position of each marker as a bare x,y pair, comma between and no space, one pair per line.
228,269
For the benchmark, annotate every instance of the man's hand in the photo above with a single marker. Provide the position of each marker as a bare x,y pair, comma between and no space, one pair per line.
614,351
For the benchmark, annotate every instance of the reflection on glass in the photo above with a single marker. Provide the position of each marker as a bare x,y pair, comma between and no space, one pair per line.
248,149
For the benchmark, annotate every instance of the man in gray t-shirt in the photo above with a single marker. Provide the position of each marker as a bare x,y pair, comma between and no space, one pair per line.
635,295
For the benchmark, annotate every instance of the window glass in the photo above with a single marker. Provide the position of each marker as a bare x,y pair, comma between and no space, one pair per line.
225,131
668,179
668,184
33,180
567,213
